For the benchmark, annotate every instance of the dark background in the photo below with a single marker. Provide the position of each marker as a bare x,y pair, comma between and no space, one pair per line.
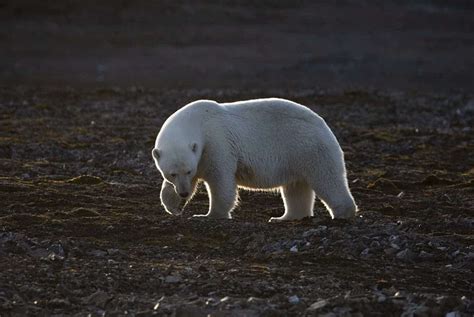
407,45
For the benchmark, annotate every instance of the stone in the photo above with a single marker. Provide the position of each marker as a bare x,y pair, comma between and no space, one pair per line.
406,255
99,298
317,305
293,299
172,279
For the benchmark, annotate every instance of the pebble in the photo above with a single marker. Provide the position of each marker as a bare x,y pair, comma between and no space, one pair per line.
112,251
317,305
395,246
406,255
98,253
390,251
314,231
365,252
375,244
394,238
293,299
158,303
425,255
99,298
54,257
57,249
254,300
173,279
59,302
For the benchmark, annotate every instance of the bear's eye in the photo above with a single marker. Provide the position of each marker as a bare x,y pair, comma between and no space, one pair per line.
188,172
173,175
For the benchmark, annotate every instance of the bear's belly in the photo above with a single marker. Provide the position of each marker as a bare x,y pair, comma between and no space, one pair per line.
263,179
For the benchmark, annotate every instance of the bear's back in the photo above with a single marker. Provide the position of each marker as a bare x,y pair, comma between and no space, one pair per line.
274,109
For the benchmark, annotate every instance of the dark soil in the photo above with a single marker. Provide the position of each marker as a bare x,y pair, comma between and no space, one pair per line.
82,230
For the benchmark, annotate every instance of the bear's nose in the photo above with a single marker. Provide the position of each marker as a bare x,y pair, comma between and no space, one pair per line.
184,195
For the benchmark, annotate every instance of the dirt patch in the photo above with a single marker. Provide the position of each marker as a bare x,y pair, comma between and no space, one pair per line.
82,229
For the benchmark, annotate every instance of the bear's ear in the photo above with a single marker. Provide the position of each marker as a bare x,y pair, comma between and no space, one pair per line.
156,154
194,147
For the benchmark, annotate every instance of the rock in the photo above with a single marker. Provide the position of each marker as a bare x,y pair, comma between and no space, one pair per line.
57,249
158,303
173,279
394,239
449,301
314,231
381,298
293,299
395,246
406,255
317,305
469,304
99,298
59,303
255,300
390,251
375,244
413,309
365,252
453,314
98,253
113,251
54,257
425,255
212,302
294,249
5,303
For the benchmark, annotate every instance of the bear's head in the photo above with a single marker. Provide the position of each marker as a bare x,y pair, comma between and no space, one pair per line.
177,164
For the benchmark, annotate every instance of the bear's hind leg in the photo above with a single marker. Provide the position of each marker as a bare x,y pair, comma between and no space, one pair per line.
299,202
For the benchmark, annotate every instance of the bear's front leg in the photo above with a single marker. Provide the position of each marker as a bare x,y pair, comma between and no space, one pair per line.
222,198
171,201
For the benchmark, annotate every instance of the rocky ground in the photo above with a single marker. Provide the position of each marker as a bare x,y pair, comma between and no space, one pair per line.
82,230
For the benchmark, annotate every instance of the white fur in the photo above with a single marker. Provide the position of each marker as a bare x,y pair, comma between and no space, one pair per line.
265,144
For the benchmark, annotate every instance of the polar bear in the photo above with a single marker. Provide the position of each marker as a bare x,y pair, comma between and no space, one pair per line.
261,144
